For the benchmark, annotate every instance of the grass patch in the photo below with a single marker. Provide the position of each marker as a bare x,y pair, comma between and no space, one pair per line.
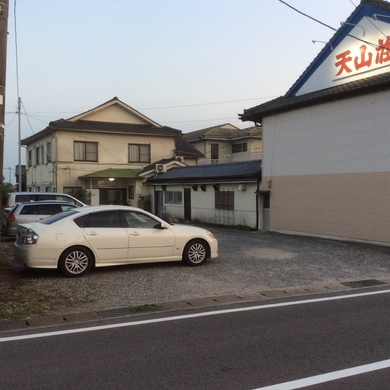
23,296
145,308
363,283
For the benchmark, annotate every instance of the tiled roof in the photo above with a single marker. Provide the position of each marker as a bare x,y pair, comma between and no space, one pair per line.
104,127
244,170
365,86
252,132
385,5
220,131
183,148
113,127
113,172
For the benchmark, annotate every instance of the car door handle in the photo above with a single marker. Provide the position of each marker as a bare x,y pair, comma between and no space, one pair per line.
91,234
134,234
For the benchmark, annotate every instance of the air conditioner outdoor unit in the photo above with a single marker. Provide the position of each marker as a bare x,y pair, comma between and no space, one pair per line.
179,158
160,168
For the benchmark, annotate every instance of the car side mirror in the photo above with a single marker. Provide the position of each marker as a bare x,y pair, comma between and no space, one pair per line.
159,226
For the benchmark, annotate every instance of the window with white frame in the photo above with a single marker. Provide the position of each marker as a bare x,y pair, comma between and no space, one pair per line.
173,197
139,153
85,151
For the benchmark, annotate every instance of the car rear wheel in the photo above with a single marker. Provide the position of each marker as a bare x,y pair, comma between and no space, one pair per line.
76,261
195,253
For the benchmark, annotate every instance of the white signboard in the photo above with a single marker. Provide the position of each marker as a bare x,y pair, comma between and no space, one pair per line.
354,58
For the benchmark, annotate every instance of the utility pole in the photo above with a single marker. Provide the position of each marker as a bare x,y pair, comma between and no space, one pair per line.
3,63
20,148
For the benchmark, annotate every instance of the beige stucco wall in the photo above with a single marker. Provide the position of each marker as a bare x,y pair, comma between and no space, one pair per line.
329,167
349,206
116,113
43,174
112,153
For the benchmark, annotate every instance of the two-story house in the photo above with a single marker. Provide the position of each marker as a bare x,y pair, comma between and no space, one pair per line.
101,152
227,143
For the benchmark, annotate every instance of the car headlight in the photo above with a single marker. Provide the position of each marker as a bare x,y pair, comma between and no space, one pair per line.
30,237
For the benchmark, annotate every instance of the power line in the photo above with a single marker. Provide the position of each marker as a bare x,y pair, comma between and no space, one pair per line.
332,28
208,104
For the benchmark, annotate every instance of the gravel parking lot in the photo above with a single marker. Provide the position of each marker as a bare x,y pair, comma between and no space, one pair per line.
248,261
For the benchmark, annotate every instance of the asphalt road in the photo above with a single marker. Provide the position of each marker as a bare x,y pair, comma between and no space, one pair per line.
242,347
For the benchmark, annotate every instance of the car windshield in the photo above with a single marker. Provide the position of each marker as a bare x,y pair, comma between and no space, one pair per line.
57,217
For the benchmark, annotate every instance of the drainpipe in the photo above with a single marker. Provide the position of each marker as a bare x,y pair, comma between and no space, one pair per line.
257,202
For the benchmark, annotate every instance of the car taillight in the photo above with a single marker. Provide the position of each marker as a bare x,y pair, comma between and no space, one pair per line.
11,217
30,237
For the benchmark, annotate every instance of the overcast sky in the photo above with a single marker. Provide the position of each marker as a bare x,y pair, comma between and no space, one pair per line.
188,64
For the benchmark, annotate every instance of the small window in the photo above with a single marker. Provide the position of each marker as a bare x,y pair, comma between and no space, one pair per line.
48,152
29,158
214,151
173,197
131,192
85,151
37,157
76,192
224,200
139,153
238,148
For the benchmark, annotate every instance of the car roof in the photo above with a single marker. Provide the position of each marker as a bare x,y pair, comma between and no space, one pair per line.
107,207
32,202
37,193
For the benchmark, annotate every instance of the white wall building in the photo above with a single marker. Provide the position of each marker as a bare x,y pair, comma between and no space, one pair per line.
326,154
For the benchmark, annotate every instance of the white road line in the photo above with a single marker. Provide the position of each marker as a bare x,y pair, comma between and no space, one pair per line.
186,316
331,376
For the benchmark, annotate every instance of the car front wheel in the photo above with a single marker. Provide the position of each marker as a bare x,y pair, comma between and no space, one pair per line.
195,253
76,261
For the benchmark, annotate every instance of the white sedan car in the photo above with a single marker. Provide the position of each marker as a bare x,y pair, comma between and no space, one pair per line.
99,236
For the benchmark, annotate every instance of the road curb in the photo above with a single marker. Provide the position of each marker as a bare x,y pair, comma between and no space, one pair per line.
252,296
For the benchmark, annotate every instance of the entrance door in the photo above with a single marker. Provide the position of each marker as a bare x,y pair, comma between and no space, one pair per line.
187,204
117,196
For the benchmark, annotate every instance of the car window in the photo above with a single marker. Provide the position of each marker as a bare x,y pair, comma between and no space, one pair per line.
28,210
139,220
25,198
57,217
65,207
105,219
40,209
49,209
46,197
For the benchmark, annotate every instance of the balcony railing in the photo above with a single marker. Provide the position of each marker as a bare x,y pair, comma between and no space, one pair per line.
232,158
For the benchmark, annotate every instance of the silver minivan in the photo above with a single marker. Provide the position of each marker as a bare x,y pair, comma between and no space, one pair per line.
33,212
